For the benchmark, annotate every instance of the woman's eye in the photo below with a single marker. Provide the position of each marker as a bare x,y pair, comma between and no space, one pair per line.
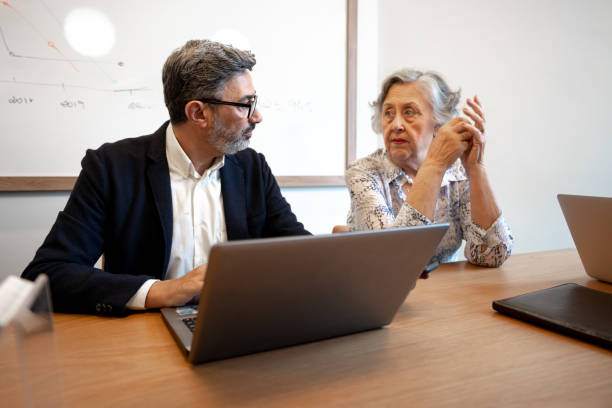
409,112
388,114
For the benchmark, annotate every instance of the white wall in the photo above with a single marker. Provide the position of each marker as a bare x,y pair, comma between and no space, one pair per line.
367,76
25,220
543,71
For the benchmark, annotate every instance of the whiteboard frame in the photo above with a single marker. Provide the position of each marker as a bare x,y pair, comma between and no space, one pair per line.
53,183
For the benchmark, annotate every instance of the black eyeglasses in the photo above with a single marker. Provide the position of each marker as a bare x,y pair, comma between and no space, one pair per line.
251,104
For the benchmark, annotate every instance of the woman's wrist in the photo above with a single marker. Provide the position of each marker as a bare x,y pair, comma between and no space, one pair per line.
432,167
476,170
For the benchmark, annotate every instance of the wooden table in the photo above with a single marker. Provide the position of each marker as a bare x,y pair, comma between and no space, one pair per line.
446,347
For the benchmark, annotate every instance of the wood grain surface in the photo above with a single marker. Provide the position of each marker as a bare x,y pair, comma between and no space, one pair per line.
446,347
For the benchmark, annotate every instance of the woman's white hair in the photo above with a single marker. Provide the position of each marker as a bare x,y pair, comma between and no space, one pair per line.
442,99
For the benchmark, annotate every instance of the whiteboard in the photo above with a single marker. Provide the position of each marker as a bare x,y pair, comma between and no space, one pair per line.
57,102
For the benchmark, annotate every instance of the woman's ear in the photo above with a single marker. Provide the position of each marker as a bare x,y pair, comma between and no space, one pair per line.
435,130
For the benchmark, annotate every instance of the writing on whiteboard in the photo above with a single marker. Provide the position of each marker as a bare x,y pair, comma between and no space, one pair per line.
20,100
72,104
287,105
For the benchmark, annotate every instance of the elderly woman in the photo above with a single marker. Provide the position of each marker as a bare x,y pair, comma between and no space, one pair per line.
430,171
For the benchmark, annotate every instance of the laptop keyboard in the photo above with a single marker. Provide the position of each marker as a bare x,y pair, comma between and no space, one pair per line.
190,322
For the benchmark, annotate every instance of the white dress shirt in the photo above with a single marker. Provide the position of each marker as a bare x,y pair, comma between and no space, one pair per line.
198,219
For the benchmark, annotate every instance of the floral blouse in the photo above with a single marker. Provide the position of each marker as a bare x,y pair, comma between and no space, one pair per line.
377,202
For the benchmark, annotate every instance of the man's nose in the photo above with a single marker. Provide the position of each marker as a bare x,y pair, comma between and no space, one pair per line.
257,117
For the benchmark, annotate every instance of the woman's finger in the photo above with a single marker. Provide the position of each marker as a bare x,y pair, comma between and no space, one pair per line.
477,119
476,106
475,134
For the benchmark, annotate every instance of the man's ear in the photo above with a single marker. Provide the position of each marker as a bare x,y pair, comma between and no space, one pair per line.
198,113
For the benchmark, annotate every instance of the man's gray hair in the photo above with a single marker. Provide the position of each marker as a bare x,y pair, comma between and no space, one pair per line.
442,99
200,69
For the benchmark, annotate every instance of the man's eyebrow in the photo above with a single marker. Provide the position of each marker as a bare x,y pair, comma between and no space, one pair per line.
245,98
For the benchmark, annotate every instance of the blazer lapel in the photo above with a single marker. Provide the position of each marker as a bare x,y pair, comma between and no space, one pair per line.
233,189
158,176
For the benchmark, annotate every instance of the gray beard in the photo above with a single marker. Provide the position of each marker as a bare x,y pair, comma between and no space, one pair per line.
226,141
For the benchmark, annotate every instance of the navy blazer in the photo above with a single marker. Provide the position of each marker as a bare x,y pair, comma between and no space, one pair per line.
121,205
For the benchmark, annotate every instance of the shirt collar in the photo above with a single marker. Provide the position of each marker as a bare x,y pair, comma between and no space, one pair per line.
393,172
179,162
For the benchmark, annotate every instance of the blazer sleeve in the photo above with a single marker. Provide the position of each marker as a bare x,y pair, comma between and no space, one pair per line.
74,244
280,220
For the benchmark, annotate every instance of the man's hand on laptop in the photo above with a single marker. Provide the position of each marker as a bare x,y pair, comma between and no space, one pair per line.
176,292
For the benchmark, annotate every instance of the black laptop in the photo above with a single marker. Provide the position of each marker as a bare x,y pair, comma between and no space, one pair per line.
573,309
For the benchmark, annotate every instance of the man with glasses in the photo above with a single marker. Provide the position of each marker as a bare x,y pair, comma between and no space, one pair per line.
155,205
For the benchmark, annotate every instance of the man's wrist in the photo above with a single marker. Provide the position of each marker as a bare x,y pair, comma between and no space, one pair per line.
138,300
156,297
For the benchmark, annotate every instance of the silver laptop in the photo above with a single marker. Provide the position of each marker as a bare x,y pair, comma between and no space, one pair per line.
268,293
590,221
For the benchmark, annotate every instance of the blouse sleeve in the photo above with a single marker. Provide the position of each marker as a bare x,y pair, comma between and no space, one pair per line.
485,247
371,208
